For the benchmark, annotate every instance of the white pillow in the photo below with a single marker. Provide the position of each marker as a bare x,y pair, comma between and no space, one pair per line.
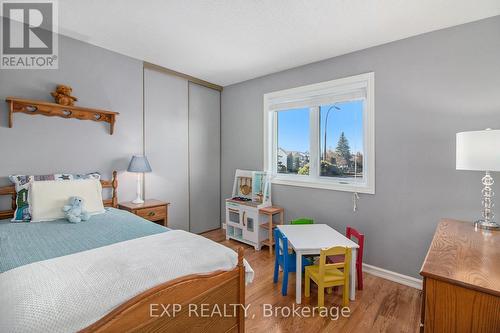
47,198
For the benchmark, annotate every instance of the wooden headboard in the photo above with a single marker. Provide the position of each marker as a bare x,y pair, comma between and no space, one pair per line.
11,190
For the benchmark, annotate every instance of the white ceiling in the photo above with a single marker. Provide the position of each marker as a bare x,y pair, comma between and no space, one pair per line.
228,41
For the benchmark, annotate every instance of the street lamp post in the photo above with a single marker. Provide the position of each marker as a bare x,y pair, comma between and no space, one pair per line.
326,124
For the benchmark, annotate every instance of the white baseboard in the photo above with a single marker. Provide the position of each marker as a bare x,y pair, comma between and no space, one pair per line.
393,276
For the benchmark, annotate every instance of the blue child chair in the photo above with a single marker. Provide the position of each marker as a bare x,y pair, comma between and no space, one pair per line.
285,260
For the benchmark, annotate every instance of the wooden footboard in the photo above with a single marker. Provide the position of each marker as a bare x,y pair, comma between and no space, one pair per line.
194,303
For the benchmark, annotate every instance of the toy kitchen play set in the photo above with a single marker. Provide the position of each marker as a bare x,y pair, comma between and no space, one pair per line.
251,192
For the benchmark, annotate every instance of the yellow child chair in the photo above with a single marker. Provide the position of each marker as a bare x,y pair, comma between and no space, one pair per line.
330,275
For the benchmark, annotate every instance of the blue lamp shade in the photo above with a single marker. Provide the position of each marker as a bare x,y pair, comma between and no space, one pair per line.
139,163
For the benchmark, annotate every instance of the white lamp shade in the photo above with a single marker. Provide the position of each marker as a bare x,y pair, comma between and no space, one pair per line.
478,150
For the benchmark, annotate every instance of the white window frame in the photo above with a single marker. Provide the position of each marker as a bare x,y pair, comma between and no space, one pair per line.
294,96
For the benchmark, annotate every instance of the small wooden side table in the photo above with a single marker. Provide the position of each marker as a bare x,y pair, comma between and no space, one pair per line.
152,210
270,212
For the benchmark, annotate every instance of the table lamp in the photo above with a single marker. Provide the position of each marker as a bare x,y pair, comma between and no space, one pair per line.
480,151
139,164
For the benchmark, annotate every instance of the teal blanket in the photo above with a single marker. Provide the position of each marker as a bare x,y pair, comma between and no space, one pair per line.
24,243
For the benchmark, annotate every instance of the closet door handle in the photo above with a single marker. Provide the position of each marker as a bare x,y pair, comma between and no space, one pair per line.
244,218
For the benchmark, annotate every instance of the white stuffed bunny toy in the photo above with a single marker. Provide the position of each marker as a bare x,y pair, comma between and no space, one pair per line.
74,211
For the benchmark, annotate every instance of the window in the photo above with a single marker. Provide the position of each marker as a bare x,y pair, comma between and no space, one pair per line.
322,135
293,141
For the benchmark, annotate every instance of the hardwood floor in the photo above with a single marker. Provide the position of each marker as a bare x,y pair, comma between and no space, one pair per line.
383,306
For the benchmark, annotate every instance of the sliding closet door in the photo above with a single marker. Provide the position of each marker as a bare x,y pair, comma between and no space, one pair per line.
166,143
204,158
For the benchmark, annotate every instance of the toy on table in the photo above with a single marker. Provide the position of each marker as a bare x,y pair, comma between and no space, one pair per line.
74,211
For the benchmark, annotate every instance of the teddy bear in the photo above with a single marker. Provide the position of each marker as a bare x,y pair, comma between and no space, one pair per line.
74,211
62,95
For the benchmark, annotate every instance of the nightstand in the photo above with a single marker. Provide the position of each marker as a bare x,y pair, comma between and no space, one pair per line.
152,210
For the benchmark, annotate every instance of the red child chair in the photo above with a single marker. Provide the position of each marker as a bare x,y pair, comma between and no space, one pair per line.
360,238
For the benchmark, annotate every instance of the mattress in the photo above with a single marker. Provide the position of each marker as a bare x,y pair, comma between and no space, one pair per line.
25,243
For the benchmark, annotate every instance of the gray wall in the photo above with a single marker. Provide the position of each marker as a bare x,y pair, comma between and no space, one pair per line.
40,145
427,88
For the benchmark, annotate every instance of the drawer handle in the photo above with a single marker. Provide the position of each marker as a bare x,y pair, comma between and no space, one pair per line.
151,214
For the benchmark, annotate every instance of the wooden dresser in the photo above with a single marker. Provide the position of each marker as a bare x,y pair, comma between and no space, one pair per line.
462,280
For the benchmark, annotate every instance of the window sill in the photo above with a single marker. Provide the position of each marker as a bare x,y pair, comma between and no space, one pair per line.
334,186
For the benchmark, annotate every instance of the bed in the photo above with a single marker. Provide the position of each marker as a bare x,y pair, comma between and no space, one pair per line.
116,273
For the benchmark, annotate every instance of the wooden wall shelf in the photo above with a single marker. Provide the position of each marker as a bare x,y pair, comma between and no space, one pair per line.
51,109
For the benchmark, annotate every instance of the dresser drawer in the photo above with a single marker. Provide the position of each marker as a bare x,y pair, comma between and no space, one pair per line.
153,213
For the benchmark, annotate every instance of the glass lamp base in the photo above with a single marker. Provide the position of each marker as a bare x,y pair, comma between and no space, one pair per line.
491,225
487,222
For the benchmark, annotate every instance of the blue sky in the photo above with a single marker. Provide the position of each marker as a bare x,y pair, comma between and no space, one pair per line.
293,127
